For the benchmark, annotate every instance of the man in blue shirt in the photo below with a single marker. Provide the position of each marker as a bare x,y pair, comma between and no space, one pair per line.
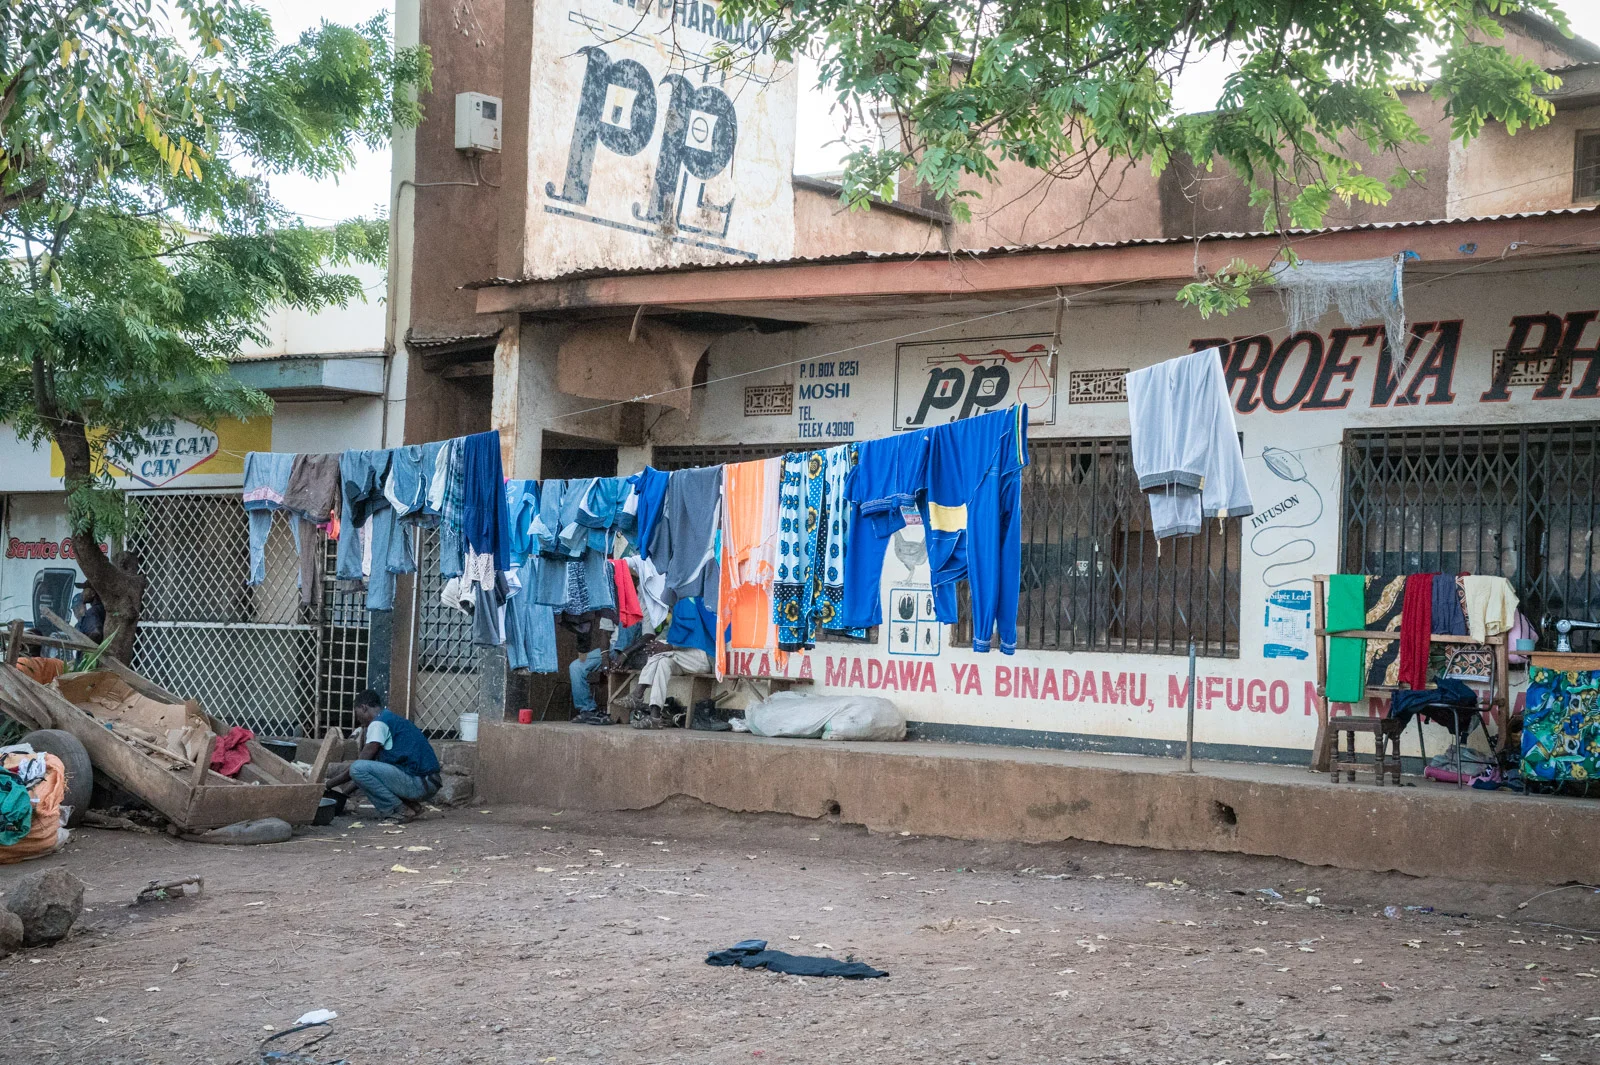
397,766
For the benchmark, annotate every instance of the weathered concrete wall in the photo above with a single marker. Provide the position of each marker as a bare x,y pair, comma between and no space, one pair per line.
1038,796
1532,171
824,226
1110,202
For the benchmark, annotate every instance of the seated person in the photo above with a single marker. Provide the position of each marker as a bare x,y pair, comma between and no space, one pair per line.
587,665
397,766
692,645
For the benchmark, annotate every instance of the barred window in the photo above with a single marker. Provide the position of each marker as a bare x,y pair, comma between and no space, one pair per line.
1586,165
1519,502
1093,578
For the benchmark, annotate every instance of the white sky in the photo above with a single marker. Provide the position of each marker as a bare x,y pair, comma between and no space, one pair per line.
365,189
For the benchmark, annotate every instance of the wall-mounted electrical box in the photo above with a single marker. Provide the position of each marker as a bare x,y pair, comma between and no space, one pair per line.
477,122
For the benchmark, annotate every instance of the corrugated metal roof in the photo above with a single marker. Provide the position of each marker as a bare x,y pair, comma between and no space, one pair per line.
1018,249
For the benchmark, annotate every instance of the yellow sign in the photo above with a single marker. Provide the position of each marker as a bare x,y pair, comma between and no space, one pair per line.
179,448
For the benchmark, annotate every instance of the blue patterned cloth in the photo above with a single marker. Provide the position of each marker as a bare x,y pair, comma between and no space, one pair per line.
1561,726
813,524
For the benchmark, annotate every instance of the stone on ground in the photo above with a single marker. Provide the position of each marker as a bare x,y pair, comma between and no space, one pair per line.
48,902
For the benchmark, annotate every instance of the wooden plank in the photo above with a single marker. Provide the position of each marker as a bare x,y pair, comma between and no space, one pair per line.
1564,660
202,765
14,644
1319,751
19,702
70,636
330,742
1380,634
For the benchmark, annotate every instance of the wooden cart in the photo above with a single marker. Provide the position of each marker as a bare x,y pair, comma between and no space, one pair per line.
191,796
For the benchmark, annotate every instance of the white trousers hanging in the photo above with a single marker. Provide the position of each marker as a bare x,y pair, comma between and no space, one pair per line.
1185,443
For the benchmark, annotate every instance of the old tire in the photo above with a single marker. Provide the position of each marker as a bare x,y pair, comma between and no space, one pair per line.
80,772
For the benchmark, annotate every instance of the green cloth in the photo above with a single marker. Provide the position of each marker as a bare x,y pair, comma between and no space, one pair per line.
16,810
1347,609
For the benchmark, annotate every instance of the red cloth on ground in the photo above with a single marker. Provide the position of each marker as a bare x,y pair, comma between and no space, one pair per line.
628,610
1416,625
229,755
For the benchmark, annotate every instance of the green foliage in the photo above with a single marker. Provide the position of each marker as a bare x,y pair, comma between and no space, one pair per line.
1053,83
146,246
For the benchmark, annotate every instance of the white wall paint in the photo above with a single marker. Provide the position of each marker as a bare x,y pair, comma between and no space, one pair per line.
630,134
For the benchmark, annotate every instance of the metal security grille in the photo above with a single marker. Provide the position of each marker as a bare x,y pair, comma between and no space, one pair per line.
1092,578
446,681
251,655
687,457
1519,502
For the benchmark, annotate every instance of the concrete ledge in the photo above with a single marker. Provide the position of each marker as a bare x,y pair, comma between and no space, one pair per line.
970,792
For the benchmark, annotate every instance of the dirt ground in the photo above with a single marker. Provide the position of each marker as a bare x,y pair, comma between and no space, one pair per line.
520,936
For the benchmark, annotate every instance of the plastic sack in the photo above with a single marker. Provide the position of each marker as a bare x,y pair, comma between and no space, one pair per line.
828,717
46,836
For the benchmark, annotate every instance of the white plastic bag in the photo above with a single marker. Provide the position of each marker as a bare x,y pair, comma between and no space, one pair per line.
828,717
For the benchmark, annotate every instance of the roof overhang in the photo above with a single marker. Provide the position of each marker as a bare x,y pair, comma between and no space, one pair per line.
865,287
317,377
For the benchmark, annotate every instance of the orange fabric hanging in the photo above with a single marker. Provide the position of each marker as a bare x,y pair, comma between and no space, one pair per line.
744,594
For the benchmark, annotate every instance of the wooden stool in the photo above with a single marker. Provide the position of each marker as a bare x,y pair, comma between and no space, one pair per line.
1386,739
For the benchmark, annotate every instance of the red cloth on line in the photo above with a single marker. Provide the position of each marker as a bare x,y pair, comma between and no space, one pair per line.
229,755
1416,625
628,609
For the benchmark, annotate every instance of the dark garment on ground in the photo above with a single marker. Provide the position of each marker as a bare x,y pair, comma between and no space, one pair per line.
753,954
1404,705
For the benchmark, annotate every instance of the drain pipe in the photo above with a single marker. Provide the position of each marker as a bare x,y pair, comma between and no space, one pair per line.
1188,743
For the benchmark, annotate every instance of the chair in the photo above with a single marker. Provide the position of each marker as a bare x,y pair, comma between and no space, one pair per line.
1386,741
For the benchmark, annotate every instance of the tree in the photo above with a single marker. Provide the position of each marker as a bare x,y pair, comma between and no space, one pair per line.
144,245
1055,83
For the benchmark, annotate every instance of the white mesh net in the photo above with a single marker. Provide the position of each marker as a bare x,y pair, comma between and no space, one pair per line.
1363,290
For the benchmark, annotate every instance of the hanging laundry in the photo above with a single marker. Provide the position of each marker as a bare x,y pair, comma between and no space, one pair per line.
886,491
313,499
975,520
650,486
484,518
1491,606
1416,626
796,546
652,592
363,475
266,481
447,496
1347,611
1385,606
629,612
530,627
1185,443
682,542
749,540
1448,620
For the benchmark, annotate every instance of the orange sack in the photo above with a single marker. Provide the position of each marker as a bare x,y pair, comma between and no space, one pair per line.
44,837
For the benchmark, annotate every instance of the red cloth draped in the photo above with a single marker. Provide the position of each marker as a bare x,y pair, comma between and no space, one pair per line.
1416,625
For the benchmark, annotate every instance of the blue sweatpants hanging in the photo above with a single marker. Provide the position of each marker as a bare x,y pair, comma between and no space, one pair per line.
890,477
974,520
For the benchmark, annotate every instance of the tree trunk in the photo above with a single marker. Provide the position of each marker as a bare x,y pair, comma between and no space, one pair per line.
119,583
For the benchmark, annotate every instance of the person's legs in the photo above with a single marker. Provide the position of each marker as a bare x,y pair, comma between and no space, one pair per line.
660,669
387,785
579,672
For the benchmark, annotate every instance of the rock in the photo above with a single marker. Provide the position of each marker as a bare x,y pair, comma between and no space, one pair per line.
455,787
10,933
47,902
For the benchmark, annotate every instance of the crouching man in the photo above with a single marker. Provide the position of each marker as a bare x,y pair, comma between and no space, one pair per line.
397,766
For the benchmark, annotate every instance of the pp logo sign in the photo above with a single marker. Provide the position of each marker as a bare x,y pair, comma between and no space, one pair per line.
946,381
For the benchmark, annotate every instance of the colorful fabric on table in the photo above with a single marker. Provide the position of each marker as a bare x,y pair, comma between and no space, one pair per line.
1416,630
1561,726
1346,610
1490,605
1448,620
1385,599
